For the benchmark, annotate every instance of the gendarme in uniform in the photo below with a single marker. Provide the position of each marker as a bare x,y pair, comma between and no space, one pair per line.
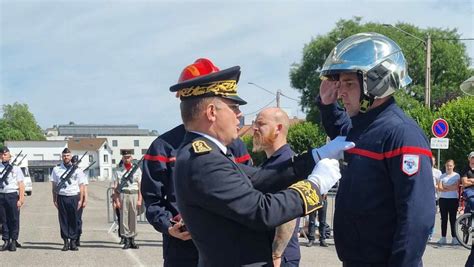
67,201
9,197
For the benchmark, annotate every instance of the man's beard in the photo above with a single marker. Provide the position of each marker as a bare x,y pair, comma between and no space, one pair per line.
261,142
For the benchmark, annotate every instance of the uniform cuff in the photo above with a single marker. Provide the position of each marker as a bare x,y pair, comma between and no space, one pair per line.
309,193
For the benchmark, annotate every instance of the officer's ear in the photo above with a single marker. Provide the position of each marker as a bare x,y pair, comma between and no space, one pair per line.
211,111
279,127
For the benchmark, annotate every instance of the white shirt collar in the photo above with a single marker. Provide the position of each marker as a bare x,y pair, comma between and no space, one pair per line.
214,140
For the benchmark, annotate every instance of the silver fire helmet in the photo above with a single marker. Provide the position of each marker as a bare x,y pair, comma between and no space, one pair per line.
378,58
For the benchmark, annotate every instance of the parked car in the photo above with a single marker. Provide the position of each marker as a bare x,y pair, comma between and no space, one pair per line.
27,181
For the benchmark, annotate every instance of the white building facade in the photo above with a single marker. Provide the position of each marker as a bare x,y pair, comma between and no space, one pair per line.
119,137
41,156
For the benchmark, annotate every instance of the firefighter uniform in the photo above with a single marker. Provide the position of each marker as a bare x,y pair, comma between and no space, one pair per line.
385,204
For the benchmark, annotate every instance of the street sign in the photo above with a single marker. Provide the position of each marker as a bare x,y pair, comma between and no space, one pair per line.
440,128
439,143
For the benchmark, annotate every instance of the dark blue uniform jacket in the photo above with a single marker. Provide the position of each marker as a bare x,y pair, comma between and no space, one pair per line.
385,204
228,217
284,153
158,191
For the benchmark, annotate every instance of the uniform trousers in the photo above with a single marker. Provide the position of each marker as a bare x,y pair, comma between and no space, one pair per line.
179,253
322,222
11,225
68,216
128,214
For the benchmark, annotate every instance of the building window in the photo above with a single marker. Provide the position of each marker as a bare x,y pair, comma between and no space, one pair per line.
136,143
91,158
144,151
113,161
105,146
114,143
106,158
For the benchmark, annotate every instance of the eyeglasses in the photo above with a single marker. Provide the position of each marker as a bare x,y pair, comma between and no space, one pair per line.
234,107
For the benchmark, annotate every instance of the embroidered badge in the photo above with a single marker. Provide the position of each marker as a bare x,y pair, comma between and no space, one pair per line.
201,147
410,164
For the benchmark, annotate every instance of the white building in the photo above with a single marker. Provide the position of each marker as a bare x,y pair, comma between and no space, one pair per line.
98,156
41,156
119,137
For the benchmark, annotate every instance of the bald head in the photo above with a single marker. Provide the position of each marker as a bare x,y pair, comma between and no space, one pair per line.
278,116
270,130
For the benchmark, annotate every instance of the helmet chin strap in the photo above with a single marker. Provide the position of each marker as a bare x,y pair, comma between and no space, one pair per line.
366,100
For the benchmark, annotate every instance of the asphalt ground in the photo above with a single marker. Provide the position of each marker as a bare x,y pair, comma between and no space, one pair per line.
40,237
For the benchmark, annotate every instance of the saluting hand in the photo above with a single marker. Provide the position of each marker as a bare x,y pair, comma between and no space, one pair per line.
176,231
328,91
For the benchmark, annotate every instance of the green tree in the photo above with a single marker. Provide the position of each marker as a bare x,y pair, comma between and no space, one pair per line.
18,124
459,115
450,61
304,135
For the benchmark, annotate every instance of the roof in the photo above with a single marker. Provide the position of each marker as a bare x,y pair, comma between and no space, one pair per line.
90,130
86,144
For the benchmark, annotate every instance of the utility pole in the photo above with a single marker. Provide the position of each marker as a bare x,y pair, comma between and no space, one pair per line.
278,97
428,72
427,43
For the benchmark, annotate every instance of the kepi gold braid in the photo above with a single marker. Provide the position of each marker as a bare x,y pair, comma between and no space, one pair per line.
225,88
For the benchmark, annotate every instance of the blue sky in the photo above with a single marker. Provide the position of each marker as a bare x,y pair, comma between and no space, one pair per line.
112,62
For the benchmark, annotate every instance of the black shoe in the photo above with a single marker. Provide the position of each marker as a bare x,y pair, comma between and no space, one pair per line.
66,245
310,243
18,245
78,242
323,243
72,245
12,245
6,245
122,241
132,243
126,243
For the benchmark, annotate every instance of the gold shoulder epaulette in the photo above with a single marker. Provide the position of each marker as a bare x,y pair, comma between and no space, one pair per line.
201,147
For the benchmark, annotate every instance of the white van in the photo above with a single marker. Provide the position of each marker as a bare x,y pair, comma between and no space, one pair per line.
27,181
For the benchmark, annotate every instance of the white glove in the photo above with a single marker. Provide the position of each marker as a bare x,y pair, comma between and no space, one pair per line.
333,149
325,174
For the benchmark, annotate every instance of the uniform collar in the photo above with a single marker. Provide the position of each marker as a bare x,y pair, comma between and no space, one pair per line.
214,140
369,116
277,154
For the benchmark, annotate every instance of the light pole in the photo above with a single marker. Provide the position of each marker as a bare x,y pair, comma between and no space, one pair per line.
427,43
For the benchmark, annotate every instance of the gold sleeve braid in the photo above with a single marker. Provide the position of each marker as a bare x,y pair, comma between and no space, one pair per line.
310,194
